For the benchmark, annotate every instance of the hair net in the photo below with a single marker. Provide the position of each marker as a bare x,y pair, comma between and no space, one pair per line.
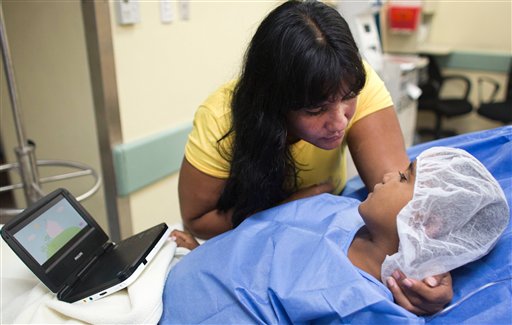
456,215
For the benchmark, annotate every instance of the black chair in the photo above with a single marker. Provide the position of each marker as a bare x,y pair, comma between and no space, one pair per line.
431,100
491,109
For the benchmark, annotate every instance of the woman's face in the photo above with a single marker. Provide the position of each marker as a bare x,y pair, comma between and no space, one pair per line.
389,197
324,125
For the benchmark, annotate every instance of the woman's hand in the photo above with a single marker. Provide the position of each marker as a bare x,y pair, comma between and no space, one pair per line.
421,297
184,239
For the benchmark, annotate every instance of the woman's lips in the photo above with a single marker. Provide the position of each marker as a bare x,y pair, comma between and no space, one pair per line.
335,137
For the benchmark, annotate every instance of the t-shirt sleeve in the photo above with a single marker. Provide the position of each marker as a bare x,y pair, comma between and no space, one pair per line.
373,97
211,122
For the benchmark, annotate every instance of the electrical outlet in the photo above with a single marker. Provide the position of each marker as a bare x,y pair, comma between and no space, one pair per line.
128,12
184,9
166,11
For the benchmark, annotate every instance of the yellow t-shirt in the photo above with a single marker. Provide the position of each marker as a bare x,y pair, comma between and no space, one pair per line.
213,119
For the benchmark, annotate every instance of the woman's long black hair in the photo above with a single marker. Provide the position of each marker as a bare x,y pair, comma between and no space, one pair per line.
302,53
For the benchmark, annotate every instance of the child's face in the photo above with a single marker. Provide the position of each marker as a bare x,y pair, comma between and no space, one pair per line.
389,197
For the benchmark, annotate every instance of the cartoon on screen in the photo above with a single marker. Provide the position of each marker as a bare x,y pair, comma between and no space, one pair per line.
48,233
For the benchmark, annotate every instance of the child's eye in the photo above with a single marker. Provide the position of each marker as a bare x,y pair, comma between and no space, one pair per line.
402,176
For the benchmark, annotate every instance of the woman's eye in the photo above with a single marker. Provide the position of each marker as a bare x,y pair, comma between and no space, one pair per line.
402,177
350,95
316,111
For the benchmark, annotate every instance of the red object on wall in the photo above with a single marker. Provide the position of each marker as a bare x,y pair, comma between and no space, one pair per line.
404,18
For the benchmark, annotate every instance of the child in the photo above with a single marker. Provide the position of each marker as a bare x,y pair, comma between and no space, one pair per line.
443,211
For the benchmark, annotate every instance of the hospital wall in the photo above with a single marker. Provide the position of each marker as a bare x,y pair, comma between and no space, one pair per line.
454,24
163,72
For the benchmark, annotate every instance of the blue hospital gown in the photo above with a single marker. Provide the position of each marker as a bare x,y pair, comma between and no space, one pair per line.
286,265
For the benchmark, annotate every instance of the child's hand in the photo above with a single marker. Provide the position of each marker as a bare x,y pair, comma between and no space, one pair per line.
184,239
421,297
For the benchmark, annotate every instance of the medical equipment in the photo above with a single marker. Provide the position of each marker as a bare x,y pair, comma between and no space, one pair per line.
457,213
27,164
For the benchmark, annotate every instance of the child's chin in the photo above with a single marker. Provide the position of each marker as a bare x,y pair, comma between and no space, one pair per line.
361,207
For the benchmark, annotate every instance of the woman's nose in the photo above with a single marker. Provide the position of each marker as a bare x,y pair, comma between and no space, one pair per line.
338,119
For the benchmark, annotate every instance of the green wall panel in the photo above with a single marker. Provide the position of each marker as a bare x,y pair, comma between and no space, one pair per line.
145,161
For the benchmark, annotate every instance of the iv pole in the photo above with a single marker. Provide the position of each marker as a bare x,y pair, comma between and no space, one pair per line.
25,152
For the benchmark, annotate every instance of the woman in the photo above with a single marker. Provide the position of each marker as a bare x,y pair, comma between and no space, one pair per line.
279,132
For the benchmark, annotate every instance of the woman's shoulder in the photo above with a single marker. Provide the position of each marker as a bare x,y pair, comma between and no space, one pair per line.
373,97
371,75
218,103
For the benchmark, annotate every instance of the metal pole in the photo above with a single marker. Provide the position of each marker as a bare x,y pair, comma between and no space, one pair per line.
25,153
100,54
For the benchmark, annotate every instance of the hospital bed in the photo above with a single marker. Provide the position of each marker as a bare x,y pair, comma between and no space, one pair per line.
482,289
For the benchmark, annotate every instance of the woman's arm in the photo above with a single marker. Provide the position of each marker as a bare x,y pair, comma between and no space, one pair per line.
377,146
198,195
